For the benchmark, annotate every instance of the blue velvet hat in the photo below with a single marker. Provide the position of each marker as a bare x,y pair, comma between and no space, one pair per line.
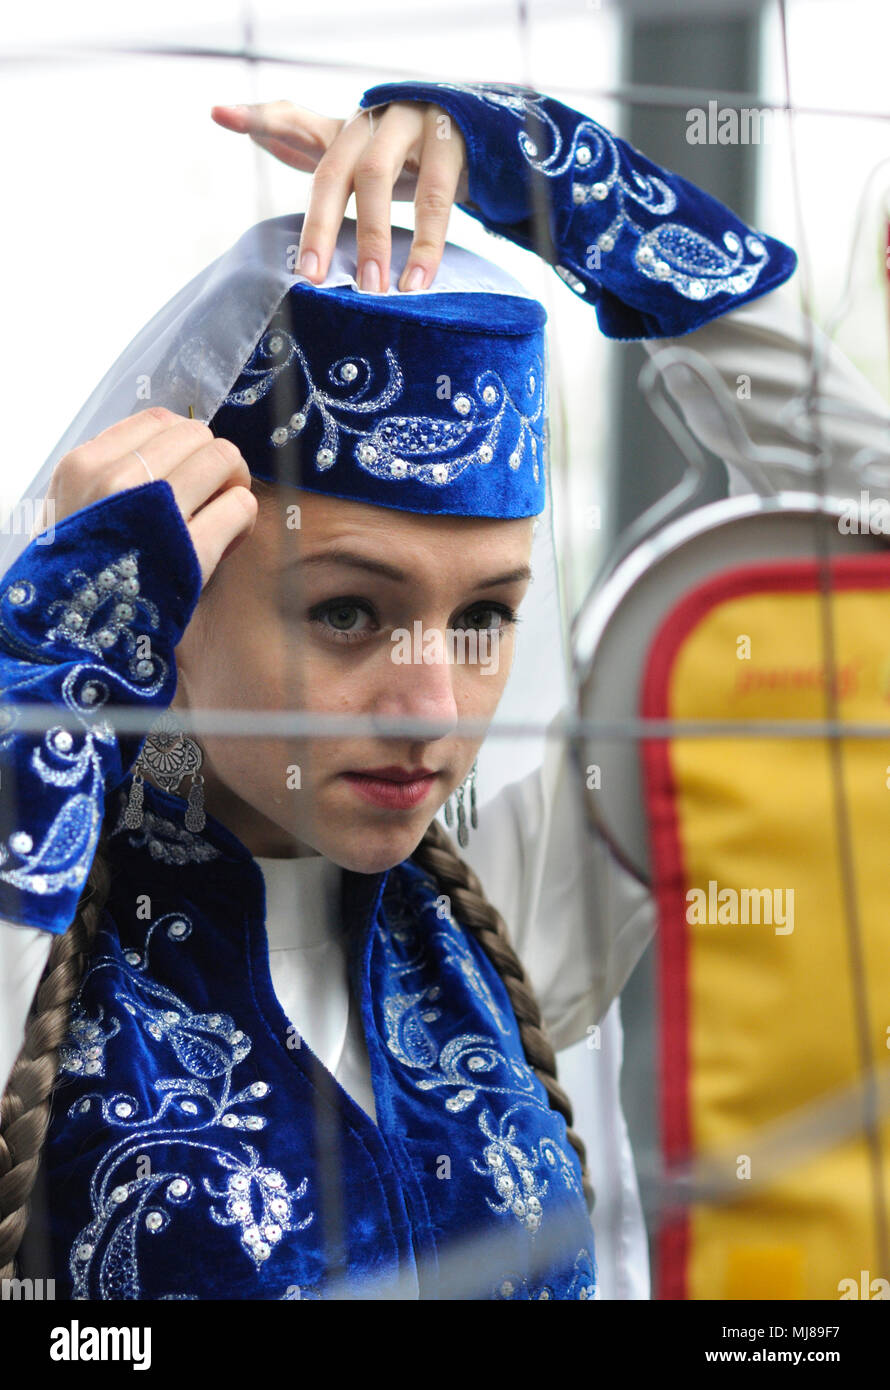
429,402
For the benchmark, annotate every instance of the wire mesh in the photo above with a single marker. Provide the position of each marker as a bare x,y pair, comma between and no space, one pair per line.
862,1109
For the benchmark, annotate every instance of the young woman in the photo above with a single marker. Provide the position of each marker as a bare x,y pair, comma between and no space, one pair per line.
284,1046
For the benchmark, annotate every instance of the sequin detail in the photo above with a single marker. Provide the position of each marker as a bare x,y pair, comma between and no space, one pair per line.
427,448
671,253
101,614
82,1052
583,1284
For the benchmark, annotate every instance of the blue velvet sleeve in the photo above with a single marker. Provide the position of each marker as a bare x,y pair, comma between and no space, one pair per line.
655,254
90,616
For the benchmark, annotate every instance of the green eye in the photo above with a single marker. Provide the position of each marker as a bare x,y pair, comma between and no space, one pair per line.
487,617
343,619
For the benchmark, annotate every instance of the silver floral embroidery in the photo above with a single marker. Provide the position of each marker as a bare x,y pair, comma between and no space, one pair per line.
100,612
471,1067
83,1051
63,858
672,253
249,1188
130,1205
582,1285
458,953
513,1171
423,447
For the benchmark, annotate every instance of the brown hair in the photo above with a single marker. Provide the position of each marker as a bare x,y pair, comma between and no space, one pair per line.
25,1106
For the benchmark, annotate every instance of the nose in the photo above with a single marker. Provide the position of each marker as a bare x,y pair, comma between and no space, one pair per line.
417,689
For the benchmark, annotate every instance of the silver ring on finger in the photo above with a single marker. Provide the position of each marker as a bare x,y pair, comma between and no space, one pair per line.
144,464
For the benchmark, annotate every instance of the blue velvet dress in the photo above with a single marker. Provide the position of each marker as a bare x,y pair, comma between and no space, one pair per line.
198,1148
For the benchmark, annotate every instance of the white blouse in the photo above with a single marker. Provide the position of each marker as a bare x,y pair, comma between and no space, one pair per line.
307,961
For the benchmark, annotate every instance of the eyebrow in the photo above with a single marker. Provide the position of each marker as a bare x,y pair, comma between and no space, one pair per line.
355,560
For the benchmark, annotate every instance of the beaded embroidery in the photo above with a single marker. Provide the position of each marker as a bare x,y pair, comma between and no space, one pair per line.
118,584
582,1286
423,447
86,621
671,253
128,1205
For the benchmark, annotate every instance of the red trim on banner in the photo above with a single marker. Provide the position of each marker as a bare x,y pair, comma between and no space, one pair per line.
668,868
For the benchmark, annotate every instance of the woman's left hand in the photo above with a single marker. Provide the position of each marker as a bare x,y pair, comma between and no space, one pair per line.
407,151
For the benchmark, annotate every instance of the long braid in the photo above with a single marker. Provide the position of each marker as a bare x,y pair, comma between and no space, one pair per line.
25,1106
456,879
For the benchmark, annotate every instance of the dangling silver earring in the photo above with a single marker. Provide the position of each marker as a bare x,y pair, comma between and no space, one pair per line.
169,754
466,790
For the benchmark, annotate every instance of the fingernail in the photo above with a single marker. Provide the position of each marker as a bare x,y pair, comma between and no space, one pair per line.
308,263
416,278
370,277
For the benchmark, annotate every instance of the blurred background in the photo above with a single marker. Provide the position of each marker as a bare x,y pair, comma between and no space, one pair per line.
119,187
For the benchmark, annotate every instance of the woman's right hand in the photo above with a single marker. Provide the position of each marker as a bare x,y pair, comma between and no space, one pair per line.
409,151
209,478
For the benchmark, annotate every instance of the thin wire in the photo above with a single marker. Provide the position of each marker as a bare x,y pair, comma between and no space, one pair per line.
843,826
796,1136
633,94
326,1131
542,209
259,723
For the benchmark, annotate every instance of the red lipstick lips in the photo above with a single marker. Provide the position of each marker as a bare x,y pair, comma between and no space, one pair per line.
394,788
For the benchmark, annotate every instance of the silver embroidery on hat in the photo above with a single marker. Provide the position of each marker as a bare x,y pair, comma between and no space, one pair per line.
430,449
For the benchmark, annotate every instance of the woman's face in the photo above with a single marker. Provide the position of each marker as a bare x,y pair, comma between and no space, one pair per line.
333,609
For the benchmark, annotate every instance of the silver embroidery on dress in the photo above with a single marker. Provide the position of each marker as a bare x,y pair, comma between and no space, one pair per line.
97,617
132,1199
82,1053
582,1285
471,1067
671,253
100,612
424,447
